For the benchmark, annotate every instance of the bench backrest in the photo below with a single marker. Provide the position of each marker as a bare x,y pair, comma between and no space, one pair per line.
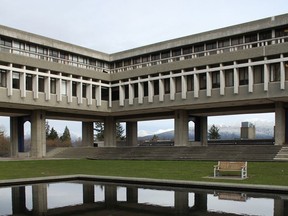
228,165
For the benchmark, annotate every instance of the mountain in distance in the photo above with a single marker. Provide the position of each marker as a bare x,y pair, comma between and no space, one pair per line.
263,131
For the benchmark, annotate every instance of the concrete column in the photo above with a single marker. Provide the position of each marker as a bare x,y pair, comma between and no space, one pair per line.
38,134
222,81
131,133
88,193
47,87
14,136
110,96
280,124
39,199
132,195
87,134
140,92
98,95
131,93
200,201
58,89
172,87
18,200
121,95
69,89
10,81
208,83
250,78
196,85
266,76
181,203
150,90
109,132
161,89
89,93
79,91
35,85
201,130
23,83
181,128
110,196
282,73
236,79
183,87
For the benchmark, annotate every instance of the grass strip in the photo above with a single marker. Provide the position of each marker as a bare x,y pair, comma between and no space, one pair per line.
265,173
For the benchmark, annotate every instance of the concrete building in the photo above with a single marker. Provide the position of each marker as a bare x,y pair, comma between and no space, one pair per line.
247,131
233,70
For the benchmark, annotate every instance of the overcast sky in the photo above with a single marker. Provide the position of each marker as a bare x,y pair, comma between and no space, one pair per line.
115,25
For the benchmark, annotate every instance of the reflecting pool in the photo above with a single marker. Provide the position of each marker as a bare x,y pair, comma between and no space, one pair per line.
96,198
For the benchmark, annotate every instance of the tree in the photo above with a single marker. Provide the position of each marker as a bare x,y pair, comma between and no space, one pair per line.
47,129
53,134
154,138
66,136
213,132
99,129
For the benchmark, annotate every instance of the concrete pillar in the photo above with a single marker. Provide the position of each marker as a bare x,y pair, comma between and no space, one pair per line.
250,78
183,86
181,128
181,203
150,90
121,95
208,83
131,133
88,193
161,89
59,88
266,76
38,134
87,133
201,130
23,83
200,201
14,136
109,132
172,87
79,91
35,86
132,195
10,81
131,93
98,95
110,196
18,200
39,199
280,123
69,90
282,74
47,84
196,85
236,79
140,92
222,81
89,93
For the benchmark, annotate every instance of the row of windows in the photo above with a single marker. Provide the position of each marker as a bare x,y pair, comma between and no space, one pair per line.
258,72
212,46
50,54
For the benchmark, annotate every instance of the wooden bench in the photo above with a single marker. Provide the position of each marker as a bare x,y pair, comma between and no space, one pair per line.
231,166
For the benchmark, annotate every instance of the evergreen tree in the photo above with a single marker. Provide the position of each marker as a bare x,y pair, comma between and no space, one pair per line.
66,136
47,129
99,129
213,132
53,134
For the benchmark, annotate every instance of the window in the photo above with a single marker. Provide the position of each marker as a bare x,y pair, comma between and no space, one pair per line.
16,80
115,93
41,84
187,50
202,80
3,78
216,79
258,74
137,60
243,76
29,82
64,87
127,62
199,48
165,55
145,59
265,35
84,90
167,86
176,52
190,83
210,46
275,72
229,78
237,40
178,84
53,86
224,43
74,89
155,56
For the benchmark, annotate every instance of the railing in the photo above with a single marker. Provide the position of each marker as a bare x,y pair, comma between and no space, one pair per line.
201,54
52,59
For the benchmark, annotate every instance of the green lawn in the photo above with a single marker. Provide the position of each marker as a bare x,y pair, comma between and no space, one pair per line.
267,173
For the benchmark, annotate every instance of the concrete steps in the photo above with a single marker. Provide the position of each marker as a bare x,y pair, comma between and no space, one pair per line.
282,154
215,152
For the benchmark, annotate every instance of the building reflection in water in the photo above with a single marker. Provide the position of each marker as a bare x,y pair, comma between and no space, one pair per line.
90,198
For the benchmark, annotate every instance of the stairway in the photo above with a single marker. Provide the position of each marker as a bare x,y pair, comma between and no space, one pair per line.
215,152
282,154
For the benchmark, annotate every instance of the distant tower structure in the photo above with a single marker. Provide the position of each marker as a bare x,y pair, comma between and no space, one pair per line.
247,130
